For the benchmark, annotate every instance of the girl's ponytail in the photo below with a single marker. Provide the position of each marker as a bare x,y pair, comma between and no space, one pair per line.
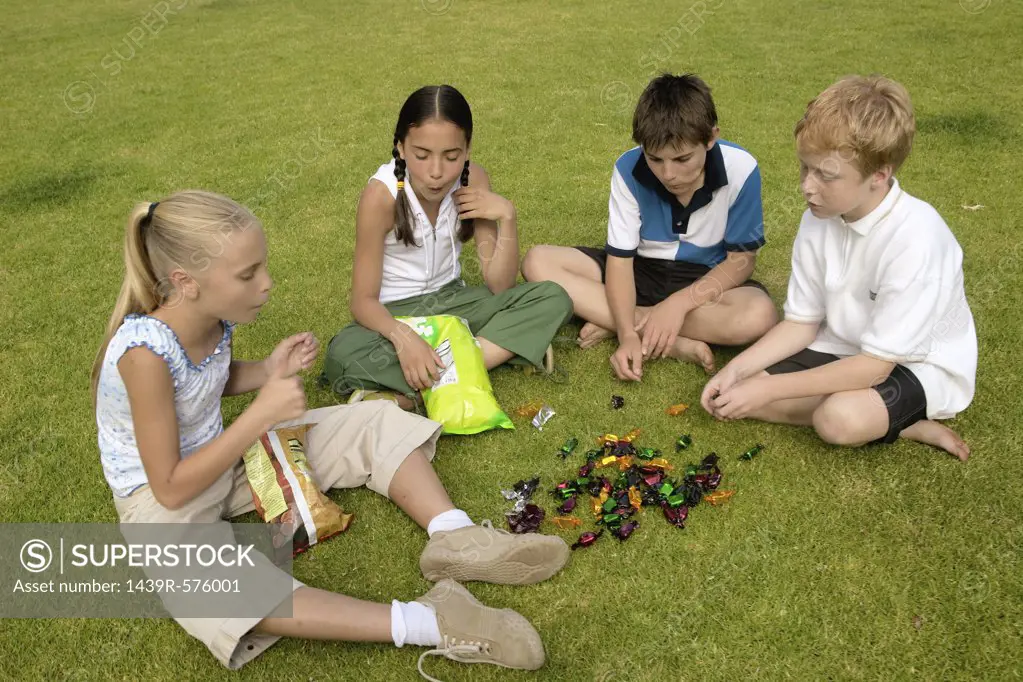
468,226
139,289
403,219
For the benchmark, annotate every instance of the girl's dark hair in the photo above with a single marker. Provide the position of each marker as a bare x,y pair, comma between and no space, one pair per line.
442,102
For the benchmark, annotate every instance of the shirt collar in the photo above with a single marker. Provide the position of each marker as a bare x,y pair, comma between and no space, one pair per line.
864,225
714,178
418,209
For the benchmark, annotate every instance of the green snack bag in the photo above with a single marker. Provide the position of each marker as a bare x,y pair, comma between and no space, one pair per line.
461,399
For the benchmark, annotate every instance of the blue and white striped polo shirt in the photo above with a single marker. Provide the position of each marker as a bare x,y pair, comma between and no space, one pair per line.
726,214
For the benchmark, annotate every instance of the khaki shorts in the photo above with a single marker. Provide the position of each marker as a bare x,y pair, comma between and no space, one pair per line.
350,446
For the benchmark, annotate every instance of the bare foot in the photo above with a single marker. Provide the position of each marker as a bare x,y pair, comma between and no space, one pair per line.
696,352
938,435
590,335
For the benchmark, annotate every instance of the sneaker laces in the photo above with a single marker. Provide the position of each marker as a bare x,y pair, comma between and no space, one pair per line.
462,652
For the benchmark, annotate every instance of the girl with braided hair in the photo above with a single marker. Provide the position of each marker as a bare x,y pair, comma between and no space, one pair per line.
413,218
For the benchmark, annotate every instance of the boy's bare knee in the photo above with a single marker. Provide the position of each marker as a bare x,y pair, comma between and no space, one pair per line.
835,422
755,320
535,263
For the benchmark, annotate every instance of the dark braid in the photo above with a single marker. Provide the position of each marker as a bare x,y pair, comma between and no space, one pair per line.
403,220
465,232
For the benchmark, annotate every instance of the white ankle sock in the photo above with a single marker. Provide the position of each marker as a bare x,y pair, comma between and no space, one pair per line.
414,623
452,519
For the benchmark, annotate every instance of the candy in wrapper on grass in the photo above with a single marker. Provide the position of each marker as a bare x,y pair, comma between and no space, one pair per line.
676,410
683,442
676,517
647,453
625,530
521,493
526,521
568,448
529,409
632,435
751,453
586,539
617,402
568,505
719,496
543,416
566,522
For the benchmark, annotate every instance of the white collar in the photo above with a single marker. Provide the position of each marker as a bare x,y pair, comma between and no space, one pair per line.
864,225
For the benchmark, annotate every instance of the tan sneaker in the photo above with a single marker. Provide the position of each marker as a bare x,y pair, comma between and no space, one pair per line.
473,633
492,555
548,360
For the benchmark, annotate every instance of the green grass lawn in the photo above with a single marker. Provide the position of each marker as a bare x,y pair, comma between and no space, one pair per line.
883,563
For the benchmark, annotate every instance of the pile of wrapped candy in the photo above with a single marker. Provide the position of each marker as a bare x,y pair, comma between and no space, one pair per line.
643,479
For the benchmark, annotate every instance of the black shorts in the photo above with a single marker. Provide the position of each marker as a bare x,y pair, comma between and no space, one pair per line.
901,392
658,279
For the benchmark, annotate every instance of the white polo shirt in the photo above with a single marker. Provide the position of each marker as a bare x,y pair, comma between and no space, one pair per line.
889,285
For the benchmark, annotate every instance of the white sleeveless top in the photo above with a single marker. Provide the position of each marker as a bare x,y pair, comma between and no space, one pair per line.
197,393
416,270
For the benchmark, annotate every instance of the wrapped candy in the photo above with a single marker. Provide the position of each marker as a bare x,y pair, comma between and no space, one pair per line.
632,435
683,442
660,463
543,416
617,402
587,469
635,499
568,448
677,516
624,463
566,522
568,505
529,409
752,452
598,504
607,439
625,530
676,410
719,496
526,521
647,453
586,539
607,461
521,493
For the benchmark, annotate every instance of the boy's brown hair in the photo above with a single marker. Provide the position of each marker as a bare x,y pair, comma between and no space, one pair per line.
672,110
867,119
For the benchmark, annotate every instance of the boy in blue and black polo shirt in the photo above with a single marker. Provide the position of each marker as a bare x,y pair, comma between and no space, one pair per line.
685,223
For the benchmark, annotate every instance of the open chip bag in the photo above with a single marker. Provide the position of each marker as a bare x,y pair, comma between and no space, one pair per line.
461,400
285,493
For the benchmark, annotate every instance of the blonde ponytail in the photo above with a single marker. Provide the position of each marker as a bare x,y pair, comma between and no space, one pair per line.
187,230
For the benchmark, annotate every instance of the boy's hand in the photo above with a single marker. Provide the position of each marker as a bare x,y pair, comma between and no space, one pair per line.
481,203
659,327
293,355
718,384
419,362
628,359
742,399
